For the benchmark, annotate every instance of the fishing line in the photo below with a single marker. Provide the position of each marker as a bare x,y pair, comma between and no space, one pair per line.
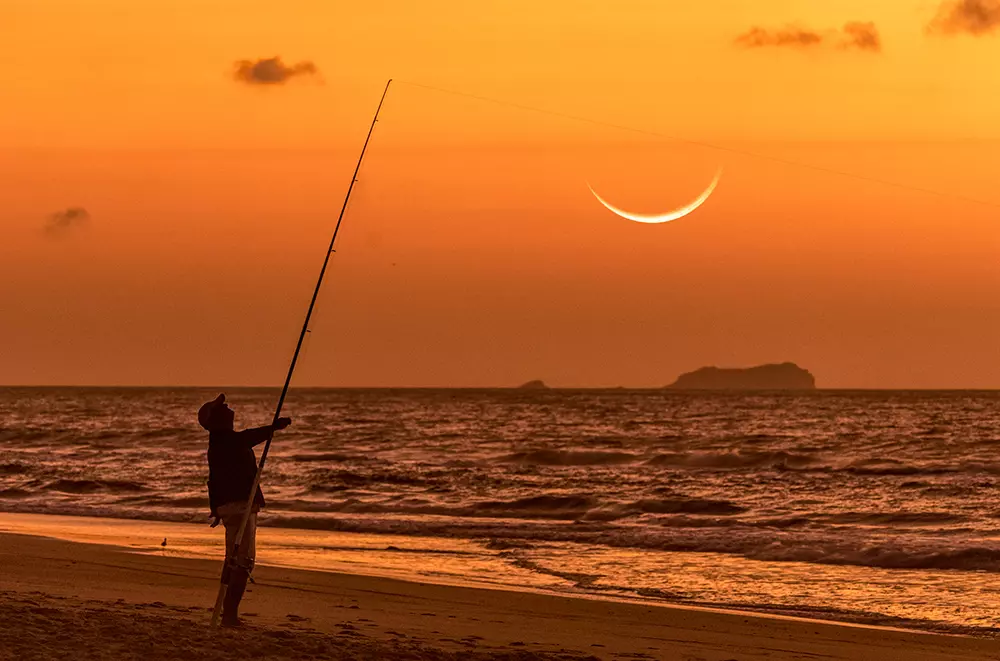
708,145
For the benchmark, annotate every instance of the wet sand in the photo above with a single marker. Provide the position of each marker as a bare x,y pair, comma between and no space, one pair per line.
62,599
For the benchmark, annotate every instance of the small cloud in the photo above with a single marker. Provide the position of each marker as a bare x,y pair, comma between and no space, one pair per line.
975,17
62,221
758,37
271,71
863,36
855,34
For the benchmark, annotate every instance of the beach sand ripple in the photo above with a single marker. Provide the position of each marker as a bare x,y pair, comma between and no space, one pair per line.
42,626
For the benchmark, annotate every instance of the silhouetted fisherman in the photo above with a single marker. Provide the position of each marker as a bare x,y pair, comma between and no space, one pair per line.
232,467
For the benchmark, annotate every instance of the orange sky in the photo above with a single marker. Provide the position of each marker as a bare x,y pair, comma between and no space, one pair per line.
473,253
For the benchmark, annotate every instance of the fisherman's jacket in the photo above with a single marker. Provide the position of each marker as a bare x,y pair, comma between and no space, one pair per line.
232,466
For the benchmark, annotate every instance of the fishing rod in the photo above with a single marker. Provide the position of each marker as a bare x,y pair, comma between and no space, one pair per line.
227,567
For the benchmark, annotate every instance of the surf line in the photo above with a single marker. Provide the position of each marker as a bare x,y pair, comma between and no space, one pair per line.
227,568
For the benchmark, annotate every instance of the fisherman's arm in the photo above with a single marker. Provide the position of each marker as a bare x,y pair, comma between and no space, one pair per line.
257,435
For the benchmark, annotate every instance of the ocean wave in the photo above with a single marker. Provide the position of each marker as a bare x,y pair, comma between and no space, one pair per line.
897,518
890,467
172,432
567,507
182,502
93,486
760,438
782,522
733,460
887,557
728,521
702,506
571,506
507,545
786,461
308,457
13,468
36,437
569,458
28,436
696,521
806,462
339,480
686,506
534,507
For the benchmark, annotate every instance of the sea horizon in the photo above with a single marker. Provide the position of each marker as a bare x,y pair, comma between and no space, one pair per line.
790,391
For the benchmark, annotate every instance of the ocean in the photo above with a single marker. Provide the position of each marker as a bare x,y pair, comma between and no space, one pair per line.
877,506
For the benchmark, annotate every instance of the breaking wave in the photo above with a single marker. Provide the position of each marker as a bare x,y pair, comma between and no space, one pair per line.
748,543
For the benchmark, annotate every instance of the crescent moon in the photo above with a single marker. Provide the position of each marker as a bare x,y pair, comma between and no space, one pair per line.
661,217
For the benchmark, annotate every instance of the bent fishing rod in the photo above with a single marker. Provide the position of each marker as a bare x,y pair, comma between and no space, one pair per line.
227,568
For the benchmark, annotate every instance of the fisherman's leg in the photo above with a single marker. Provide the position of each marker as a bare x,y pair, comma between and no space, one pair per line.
234,593
239,571
235,584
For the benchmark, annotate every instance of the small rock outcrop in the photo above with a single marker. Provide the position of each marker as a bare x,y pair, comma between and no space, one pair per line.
783,376
533,385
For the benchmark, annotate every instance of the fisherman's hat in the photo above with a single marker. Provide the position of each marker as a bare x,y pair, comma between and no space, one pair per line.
207,409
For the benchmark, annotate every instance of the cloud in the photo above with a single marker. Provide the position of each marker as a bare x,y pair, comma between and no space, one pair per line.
863,36
855,34
758,37
975,17
271,71
61,221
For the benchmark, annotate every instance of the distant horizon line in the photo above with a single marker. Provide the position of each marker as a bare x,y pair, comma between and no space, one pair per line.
517,387
797,141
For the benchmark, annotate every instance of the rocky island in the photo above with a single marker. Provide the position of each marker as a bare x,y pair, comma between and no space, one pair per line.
783,376
533,385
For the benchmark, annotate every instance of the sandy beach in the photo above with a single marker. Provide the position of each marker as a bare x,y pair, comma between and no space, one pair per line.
63,599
